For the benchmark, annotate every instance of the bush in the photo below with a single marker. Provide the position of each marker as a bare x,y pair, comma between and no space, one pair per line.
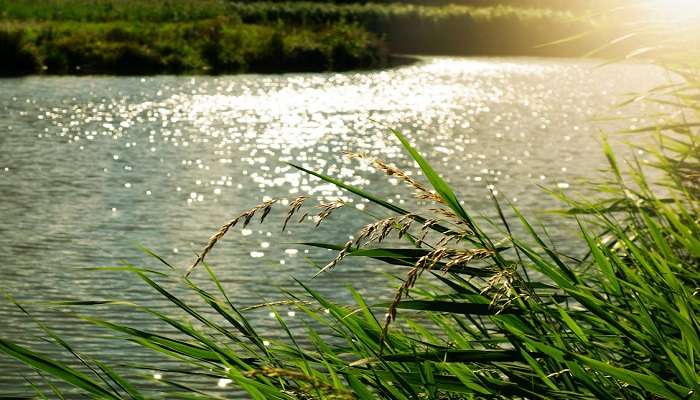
19,58
220,45
85,54
404,28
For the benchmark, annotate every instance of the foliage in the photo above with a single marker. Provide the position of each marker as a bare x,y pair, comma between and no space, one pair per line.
481,312
450,29
113,10
220,45
400,28
19,57
188,10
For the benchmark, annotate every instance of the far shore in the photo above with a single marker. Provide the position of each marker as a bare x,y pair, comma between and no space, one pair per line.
208,37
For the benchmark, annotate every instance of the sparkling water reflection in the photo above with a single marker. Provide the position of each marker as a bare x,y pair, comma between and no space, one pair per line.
90,167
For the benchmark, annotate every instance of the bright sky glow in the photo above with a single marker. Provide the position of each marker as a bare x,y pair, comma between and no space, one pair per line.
676,9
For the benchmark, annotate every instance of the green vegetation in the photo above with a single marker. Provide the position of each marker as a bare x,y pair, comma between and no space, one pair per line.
219,45
186,10
450,29
139,36
479,311
114,10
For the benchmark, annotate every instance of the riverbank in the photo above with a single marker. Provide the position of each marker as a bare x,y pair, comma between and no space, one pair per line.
219,45
213,37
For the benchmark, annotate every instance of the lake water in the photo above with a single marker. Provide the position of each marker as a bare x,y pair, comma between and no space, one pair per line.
93,167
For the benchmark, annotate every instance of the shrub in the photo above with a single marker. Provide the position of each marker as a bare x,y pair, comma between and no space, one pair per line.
220,45
86,54
19,58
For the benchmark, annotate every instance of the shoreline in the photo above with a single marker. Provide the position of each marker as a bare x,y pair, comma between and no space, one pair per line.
395,61
263,37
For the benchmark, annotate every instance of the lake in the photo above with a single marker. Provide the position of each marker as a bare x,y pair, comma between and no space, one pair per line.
92,168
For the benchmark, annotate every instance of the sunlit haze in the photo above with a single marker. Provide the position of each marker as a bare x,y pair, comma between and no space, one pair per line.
677,10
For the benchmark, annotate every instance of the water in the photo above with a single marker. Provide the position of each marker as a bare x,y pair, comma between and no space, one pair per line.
92,167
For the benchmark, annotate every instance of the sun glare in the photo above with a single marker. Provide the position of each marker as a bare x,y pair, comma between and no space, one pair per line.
676,9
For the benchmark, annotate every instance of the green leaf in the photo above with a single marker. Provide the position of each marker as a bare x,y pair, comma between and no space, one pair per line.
440,186
454,307
459,356
55,368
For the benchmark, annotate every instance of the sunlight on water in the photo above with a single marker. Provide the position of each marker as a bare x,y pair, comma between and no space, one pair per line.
90,167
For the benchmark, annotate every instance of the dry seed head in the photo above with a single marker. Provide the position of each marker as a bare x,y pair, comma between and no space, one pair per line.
368,233
451,236
421,192
302,218
265,207
266,210
377,231
327,209
448,214
428,261
337,259
445,239
294,206
246,216
385,227
212,241
424,231
503,287
463,257
434,257
405,225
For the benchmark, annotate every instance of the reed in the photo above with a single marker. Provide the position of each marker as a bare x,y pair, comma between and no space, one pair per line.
476,314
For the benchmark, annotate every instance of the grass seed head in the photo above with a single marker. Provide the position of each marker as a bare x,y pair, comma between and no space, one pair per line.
246,216
294,206
420,191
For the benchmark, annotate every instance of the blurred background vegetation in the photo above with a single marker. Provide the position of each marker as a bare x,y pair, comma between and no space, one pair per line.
220,36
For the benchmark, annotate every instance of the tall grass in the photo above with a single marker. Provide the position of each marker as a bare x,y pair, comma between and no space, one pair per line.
450,29
405,28
184,10
219,45
113,10
579,5
479,311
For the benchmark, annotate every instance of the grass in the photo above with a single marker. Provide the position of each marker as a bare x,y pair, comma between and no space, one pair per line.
296,11
220,45
152,34
478,311
114,10
620,323
450,29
